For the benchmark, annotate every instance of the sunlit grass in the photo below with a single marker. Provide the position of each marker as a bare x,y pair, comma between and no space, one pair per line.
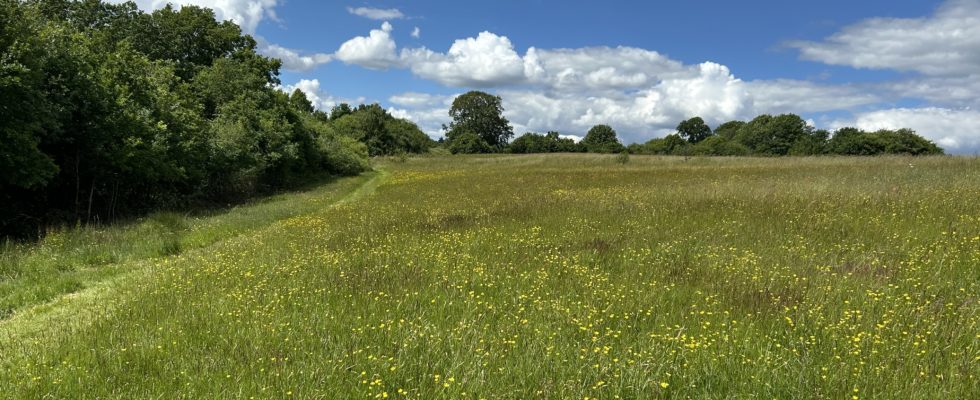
69,259
562,276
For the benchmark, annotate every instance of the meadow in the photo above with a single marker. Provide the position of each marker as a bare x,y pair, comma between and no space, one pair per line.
566,276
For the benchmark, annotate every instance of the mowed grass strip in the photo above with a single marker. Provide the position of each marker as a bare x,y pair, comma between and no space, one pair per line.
562,276
69,260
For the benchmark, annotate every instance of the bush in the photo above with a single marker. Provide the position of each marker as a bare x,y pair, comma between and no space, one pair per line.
468,143
344,155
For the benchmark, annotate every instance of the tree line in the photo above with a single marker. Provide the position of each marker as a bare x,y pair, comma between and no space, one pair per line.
106,111
479,127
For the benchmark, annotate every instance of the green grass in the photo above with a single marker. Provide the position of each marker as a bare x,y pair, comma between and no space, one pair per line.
560,276
70,259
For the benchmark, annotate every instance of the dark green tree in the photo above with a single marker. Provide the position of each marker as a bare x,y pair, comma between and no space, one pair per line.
469,143
340,110
602,139
716,145
693,130
300,102
769,135
729,129
480,113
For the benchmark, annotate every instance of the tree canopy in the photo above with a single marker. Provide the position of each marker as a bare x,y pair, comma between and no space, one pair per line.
552,142
106,110
693,130
602,139
481,114
786,134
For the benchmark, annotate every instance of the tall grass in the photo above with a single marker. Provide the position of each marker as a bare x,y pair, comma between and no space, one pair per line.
562,276
69,259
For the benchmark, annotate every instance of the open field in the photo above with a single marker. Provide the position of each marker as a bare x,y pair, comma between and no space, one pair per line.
560,276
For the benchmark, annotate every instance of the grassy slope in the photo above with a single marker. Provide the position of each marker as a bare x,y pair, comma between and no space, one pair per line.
72,259
563,276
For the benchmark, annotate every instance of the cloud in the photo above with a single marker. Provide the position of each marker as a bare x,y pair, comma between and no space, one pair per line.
375,51
642,93
794,96
291,59
946,43
955,91
953,129
711,91
416,100
376,13
320,99
416,33
598,68
484,61
246,13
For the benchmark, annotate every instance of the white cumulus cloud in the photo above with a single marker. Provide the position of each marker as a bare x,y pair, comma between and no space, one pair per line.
599,68
946,43
246,13
484,61
375,51
376,13
292,60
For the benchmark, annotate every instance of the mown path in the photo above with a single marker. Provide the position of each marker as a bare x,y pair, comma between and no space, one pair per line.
78,309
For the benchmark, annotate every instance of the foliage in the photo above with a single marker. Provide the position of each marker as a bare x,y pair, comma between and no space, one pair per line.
694,130
769,135
717,145
482,114
852,141
729,129
108,111
670,144
602,139
469,143
623,157
551,142
786,134
383,134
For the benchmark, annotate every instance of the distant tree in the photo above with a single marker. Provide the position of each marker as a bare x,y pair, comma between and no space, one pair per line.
670,144
814,143
674,145
340,110
482,114
729,129
552,142
299,100
469,143
906,141
853,141
558,144
527,143
409,138
694,130
716,145
602,139
769,135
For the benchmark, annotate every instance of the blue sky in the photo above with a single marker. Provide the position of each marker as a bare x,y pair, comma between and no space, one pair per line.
638,66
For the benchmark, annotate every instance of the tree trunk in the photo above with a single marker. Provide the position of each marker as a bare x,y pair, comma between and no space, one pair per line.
91,192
